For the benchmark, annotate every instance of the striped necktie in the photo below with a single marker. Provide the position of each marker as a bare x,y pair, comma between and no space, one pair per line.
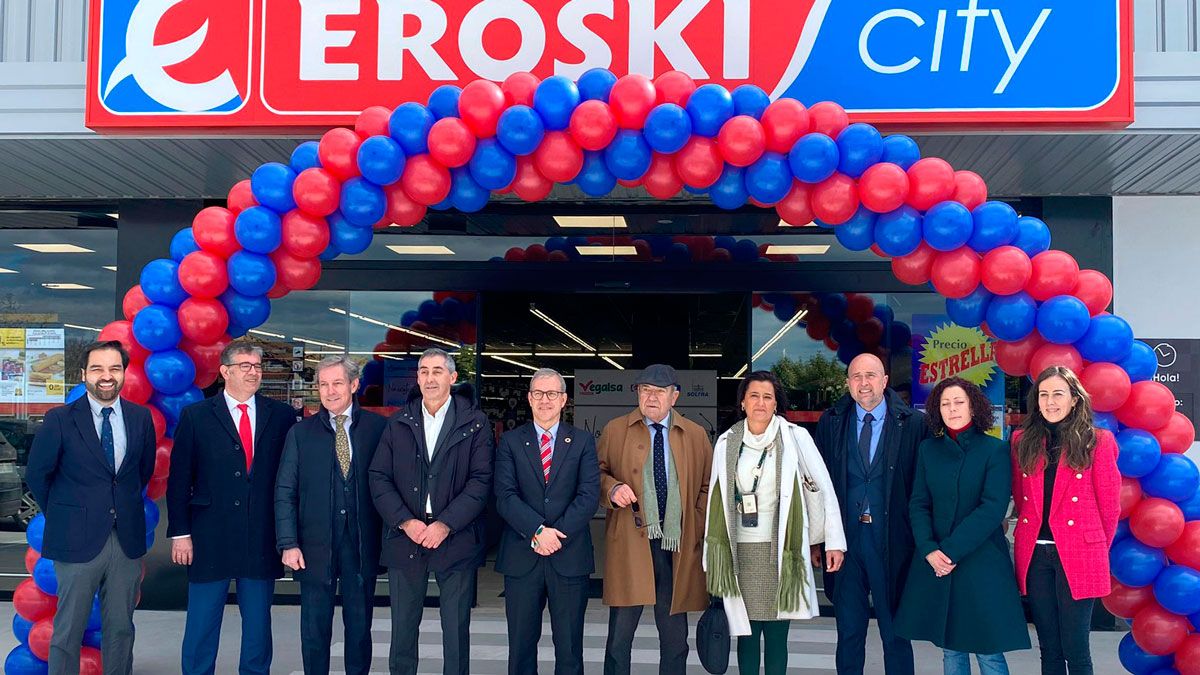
547,452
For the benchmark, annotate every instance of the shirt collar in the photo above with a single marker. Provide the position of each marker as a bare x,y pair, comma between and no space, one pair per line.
666,422
553,431
439,414
96,407
232,403
877,414
349,414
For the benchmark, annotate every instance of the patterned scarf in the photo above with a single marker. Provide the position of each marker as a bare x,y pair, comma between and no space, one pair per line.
670,530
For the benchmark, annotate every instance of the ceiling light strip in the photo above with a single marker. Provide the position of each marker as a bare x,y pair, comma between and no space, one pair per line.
791,323
512,362
559,327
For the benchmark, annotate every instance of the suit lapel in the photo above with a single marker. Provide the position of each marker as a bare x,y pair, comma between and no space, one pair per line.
82,413
1065,473
132,439
262,415
562,449
221,412
533,452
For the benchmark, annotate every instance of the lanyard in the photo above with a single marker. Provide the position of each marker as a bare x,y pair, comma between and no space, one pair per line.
737,479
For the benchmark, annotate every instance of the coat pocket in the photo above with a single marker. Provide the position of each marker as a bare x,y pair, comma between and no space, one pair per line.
200,500
1094,537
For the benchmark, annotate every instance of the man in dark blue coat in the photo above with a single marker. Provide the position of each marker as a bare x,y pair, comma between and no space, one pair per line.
88,466
326,527
547,490
221,511
430,480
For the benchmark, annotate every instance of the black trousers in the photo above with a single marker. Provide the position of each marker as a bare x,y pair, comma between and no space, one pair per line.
525,597
456,595
672,629
863,575
1063,624
316,613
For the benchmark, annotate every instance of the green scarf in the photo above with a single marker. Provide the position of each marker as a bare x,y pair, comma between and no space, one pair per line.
670,529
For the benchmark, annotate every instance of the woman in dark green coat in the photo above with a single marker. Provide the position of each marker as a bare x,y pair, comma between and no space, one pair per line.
961,593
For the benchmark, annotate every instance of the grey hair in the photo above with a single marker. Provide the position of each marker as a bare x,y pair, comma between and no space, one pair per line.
349,365
434,351
239,347
548,372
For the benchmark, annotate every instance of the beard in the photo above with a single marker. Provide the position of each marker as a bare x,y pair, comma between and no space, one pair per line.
102,395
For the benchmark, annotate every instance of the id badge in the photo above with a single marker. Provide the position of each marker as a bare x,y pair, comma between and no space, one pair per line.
749,511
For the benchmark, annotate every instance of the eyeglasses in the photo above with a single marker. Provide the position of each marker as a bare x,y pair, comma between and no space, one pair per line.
538,394
245,366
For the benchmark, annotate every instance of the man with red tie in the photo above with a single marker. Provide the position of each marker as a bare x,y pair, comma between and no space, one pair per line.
221,511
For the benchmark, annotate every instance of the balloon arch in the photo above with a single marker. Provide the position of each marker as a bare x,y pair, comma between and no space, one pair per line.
522,136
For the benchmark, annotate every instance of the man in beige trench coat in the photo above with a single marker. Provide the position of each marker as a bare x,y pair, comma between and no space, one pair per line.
654,467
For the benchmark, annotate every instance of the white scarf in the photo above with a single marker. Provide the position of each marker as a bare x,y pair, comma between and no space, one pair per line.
760,442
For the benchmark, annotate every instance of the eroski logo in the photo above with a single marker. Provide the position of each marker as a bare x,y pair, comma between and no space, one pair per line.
154,72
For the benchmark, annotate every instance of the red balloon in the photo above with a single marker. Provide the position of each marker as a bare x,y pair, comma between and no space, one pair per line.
1185,550
784,121
817,327
424,180
831,343
515,254
212,228
1006,270
137,387
203,274
451,142
593,125
90,661
558,158
206,357
796,207
401,209
955,274
298,274
1014,357
529,184
1158,631
883,187
122,331
741,140
279,290
536,253
519,88
159,422
316,192
1156,522
1094,289
39,638
1187,655
1055,355
675,87
1131,494
157,489
699,162
859,308
1178,434
133,303
835,199
1126,601
373,122
915,268
720,255
305,236
162,460
1054,273
31,603
827,118
969,189
31,558
240,197
1107,383
1150,406
870,332
632,98
660,180
931,180
480,105
338,152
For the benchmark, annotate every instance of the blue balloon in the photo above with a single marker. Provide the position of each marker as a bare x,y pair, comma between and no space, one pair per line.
750,100
995,224
1177,589
372,373
160,282
947,226
813,158
362,203
170,371
492,167
769,178
94,618
899,232
695,190
1062,319
452,307
172,405
409,125
443,102
331,251
1123,530
1108,338
381,160
77,392
305,156
152,512
899,335
595,179
271,185
1106,420
883,312
844,331
1033,236
1134,563
156,327
245,311
833,306
44,577
1174,477
250,273
729,192
1190,508
444,205
466,194
901,150
21,661
182,244
1139,452
35,531
745,251
859,147
668,128
555,98
858,233
710,107
93,638
595,84
724,241
408,317
847,351
1012,317
520,131
1141,363
628,155
21,627
969,311
258,229
430,311
347,237
1137,661
554,244
679,253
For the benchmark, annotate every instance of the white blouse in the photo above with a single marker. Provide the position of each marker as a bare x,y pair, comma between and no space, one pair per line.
767,495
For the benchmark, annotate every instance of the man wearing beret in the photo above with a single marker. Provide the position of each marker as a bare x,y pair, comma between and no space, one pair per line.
654,470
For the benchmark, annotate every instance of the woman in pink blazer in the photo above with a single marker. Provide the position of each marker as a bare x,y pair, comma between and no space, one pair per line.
1066,488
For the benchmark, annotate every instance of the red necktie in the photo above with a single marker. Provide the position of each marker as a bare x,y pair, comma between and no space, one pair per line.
246,434
547,451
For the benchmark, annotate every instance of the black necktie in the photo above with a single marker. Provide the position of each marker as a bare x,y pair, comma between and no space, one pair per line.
864,440
106,438
660,470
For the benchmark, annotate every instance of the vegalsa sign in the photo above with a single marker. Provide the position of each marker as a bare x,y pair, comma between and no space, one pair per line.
287,63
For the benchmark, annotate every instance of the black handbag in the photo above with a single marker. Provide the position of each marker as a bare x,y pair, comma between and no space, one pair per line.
712,638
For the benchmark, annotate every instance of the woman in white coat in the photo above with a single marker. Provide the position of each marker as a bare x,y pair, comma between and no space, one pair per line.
770,503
